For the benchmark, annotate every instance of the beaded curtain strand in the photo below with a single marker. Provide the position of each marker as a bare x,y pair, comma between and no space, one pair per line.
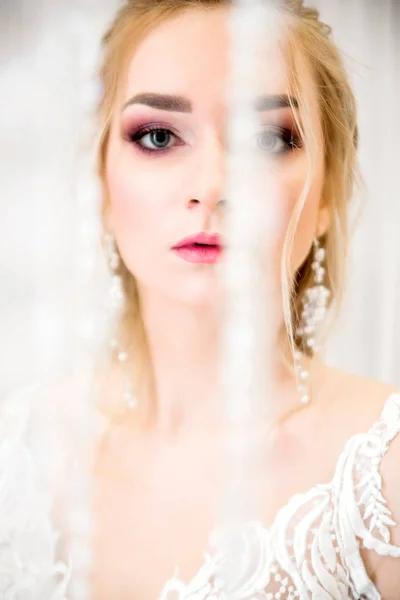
252,230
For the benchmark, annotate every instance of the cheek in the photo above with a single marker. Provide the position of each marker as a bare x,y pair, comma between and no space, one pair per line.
307,226
293,181
140,199
141,194
129,200
306,229
133,197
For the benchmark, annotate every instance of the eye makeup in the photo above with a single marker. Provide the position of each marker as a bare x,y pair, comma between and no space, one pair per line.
278,140
278,137
156,135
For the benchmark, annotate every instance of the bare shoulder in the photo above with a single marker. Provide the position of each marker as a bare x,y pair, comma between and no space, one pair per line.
359,399
357,385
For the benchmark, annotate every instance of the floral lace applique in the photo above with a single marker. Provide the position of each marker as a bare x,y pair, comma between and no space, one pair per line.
312,549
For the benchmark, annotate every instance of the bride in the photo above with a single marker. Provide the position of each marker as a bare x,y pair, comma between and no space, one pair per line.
326,506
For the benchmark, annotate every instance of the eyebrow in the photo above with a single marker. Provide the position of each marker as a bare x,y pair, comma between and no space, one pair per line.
264,103
162,102
174,103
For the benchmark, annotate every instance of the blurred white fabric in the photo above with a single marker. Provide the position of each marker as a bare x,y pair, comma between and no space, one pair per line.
46,261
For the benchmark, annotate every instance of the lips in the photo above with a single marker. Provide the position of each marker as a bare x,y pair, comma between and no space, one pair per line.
200,248
201,239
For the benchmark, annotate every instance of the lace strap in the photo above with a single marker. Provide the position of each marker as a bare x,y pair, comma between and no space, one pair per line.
368,485
388,425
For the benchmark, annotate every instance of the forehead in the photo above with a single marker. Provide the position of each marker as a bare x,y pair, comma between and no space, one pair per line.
189,55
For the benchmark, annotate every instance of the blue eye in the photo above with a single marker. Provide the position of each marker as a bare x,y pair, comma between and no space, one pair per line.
276,140
153,139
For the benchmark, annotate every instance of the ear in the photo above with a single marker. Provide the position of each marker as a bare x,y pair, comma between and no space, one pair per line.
324,220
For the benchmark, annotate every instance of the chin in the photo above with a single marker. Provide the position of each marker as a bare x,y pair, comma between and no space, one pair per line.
202,297
198,291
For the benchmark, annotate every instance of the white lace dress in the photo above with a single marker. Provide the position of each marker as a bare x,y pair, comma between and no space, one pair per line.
312,550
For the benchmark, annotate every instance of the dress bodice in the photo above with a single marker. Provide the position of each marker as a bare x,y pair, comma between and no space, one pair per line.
311,551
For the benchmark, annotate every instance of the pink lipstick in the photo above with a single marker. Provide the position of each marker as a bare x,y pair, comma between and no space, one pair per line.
200,248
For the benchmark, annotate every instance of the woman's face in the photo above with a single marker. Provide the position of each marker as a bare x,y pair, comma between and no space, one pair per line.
166,157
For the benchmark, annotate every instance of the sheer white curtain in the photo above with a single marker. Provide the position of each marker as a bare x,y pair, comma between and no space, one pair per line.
49,262
45,259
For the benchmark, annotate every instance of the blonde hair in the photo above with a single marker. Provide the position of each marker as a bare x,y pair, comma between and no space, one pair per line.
307,40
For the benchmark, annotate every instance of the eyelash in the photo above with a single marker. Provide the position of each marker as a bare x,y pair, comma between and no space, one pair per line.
137,136
291,140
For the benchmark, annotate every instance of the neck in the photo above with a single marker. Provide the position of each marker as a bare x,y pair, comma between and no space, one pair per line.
184,346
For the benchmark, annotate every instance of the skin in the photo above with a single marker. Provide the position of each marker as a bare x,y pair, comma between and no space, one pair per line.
158,488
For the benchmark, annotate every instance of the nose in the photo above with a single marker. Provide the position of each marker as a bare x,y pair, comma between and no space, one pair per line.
208,176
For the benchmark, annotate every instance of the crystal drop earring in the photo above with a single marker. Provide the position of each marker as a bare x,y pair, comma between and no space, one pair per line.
314,309
115,305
